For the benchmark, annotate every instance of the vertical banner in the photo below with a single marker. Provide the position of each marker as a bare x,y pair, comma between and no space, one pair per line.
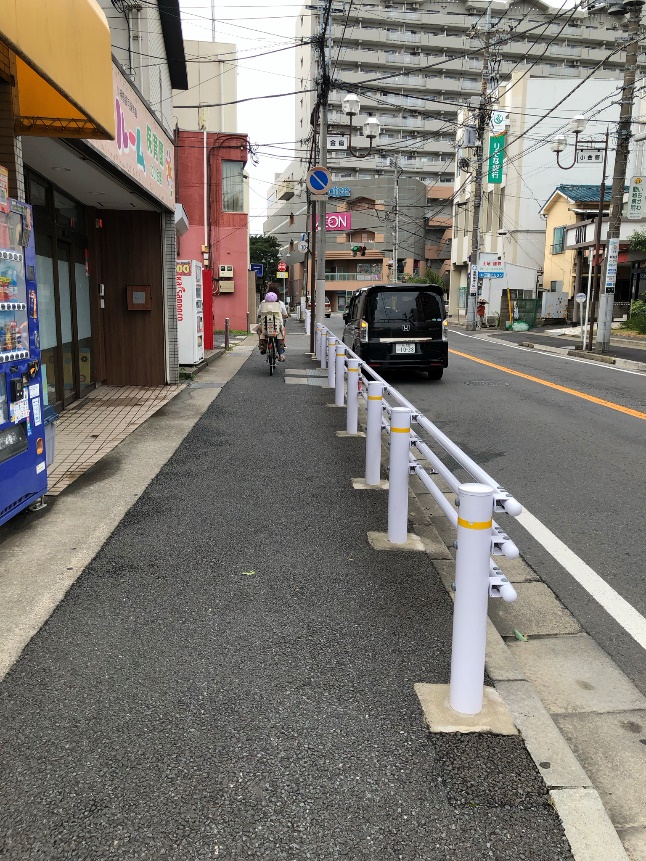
497,137
636,198
611,265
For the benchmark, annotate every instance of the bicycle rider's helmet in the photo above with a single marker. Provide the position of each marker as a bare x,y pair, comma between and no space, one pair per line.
271,297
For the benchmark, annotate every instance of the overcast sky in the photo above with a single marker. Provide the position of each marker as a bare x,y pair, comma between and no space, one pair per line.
255,27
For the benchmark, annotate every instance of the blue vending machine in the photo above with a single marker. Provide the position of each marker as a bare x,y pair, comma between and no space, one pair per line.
23,471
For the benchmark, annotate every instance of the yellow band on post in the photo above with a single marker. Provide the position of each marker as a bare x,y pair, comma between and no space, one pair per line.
353,370
375,398
400,430
469,524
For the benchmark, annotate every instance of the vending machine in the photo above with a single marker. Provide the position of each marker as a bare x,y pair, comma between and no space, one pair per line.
23,471
190,312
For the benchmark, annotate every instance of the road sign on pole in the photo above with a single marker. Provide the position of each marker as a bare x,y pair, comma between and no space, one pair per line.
318,180
282,267
258,268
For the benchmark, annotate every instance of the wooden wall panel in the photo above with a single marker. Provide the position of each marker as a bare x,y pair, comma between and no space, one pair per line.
130,253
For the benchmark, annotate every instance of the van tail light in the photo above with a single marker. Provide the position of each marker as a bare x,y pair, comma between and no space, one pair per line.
445,332
363,331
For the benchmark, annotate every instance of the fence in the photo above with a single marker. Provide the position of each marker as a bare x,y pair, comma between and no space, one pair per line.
478,536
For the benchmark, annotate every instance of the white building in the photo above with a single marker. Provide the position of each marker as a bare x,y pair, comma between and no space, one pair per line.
511,224
212,83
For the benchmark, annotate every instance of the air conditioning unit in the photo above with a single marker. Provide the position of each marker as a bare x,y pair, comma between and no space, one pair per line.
226,271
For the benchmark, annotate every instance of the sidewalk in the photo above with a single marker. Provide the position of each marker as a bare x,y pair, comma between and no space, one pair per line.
232,674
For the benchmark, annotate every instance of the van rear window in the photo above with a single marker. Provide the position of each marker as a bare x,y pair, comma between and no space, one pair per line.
411,306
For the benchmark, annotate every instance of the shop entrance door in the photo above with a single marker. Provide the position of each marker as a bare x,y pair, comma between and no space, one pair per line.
75,322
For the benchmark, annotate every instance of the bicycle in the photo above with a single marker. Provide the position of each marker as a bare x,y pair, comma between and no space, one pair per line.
272,351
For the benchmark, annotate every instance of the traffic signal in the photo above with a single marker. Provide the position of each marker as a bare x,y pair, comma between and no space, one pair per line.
363,250
355,249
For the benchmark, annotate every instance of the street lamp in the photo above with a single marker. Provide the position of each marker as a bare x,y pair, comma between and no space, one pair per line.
560,142
371,128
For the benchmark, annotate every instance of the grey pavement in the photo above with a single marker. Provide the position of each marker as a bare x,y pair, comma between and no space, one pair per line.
232,674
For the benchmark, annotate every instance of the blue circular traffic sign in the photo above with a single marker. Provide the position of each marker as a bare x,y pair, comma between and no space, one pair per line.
318,180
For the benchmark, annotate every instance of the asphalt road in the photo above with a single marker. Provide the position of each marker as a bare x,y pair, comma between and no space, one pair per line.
576,465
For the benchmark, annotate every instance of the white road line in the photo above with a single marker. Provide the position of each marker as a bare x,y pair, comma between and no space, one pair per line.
537,350
621,611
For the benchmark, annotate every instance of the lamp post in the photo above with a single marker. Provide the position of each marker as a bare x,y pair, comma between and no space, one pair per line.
371,128
559,143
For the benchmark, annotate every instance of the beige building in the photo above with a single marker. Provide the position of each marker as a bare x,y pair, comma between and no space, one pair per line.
208,104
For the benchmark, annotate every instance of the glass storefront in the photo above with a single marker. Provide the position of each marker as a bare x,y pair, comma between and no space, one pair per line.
63,293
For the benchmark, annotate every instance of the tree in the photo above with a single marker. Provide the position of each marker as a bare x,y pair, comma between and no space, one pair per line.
265,250
431,277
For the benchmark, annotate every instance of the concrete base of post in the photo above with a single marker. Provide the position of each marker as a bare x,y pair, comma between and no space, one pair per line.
362,484
379,541
440,717
346,435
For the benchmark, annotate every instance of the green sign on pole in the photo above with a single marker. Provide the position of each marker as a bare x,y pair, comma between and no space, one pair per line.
496,158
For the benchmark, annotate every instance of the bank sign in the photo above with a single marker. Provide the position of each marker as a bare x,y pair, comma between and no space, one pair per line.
496,147
142,149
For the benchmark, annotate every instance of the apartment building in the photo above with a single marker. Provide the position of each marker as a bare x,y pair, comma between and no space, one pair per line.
414,64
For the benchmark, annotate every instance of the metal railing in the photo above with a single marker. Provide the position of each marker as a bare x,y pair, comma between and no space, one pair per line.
478,536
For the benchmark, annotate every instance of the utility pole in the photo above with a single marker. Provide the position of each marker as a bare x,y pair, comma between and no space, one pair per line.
395,163
607,295
481,126
321,205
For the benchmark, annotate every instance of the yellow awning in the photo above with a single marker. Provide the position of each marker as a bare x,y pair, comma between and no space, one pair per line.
63,67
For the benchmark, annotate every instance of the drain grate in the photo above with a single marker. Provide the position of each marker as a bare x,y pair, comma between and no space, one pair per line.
484,383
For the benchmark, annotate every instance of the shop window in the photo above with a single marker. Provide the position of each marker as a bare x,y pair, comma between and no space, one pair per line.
67,212
232,186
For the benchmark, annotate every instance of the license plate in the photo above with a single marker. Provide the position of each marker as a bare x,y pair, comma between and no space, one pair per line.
404,348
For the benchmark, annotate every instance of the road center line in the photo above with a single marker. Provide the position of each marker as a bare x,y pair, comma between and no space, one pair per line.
610,404
621,611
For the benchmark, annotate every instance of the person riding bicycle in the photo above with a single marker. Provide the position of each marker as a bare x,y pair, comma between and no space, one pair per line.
271,322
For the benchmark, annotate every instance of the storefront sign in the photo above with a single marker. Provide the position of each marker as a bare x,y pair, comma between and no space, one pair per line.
636,198
490,265
339,191
141,149
338,221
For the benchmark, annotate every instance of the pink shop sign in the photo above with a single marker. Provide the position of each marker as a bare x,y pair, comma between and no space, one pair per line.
337,221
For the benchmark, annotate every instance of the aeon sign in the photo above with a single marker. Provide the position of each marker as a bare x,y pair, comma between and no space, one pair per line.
338,221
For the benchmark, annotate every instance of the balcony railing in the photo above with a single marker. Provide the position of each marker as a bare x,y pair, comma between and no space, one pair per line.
558,248
353,276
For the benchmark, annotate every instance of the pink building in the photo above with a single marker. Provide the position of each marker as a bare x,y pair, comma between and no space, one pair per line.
220,201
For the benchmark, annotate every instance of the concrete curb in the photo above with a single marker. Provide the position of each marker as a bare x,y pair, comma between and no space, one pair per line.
625,364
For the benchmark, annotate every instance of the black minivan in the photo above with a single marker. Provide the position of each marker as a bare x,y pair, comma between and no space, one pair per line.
399,326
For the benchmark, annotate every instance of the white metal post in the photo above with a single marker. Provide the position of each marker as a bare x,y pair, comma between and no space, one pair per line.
339,392
308,316
352,418
331,361
323,350
317,339
475,512
398,475
373,433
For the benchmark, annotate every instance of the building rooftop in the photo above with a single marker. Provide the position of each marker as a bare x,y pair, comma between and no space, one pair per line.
581,193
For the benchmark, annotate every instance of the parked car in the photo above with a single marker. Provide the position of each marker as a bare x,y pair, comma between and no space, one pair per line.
328,307
399,326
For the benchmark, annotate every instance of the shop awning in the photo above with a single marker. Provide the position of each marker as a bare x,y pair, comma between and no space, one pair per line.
63,67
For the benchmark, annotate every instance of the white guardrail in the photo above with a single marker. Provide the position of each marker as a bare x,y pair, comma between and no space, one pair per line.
478,536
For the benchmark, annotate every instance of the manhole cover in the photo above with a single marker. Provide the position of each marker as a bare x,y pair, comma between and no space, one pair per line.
484,383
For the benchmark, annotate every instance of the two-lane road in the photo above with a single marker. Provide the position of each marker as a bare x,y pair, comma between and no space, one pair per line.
566,438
